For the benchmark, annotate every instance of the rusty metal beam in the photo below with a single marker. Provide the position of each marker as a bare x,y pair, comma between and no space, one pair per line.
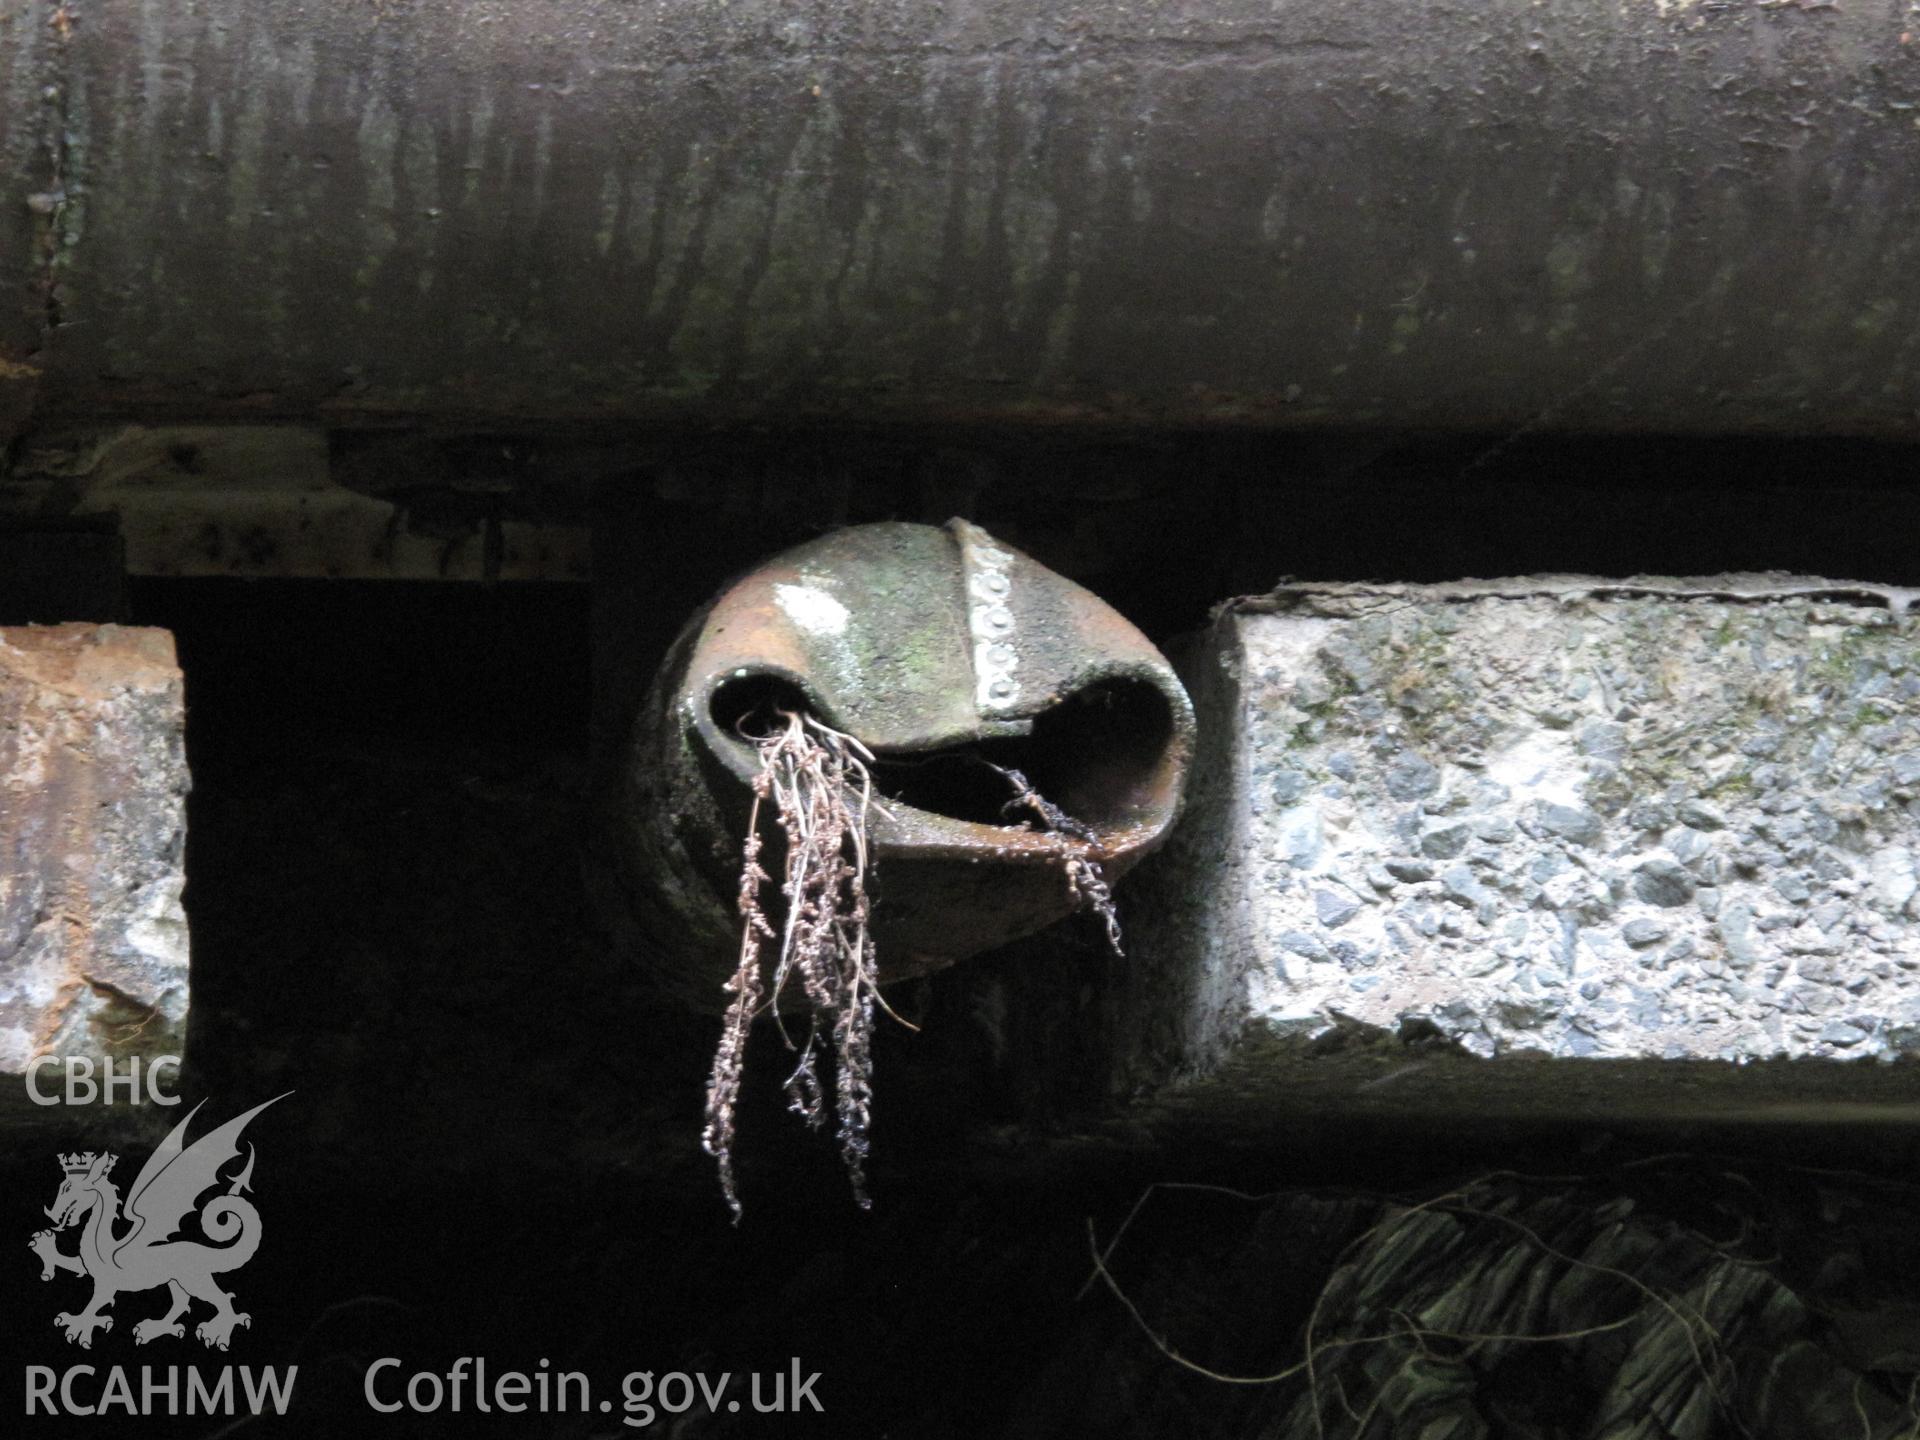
1685,215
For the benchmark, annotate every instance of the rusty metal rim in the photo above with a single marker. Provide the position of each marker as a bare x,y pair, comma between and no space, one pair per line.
944,836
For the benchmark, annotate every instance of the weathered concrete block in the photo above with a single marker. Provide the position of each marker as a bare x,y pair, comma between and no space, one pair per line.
1628,820
93,783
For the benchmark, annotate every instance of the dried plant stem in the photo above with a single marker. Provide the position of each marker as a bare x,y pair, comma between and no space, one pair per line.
1080,852
1703,1341
818,785
821,792
747,988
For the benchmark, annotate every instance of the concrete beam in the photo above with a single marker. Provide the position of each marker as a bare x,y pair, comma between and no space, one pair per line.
1552,846
258,501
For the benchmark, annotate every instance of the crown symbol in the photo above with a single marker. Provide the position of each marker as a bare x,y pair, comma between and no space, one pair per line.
77,1164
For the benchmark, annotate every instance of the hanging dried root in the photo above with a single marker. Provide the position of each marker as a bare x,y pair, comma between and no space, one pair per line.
817,781
1080,852
819,786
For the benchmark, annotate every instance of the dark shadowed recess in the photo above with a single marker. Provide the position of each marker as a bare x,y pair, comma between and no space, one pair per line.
492,1147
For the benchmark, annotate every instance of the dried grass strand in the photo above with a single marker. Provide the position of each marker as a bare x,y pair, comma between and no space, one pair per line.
1081,853
816,781
1702,1340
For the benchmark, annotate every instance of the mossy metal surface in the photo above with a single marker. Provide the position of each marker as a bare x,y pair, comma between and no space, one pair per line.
1646,215
871,630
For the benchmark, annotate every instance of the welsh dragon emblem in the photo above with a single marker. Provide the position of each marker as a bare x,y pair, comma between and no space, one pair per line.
137,1250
